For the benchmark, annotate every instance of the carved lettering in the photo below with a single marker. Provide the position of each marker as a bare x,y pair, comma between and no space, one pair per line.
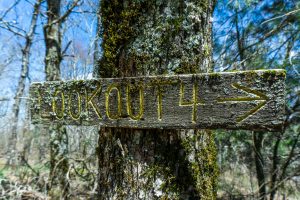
59,115
90,102
232,100
160,90
141,102
75,116
113,86
194,103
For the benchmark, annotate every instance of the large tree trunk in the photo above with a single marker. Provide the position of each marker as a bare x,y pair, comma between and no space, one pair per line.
58,185
150,38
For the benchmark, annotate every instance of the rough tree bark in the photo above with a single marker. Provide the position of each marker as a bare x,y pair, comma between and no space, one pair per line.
21,84
58,135
148,38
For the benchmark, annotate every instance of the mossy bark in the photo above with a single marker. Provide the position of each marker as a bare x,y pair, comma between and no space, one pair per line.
150,38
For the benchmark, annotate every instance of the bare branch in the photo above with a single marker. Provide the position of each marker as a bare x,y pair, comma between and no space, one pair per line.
4,99
66,48
286,14
65,15
13,29
9,9
68,12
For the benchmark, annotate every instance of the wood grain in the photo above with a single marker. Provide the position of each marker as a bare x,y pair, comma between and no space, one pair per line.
253,100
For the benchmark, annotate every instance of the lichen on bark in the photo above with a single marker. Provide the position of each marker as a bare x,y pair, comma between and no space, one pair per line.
148,38
155,37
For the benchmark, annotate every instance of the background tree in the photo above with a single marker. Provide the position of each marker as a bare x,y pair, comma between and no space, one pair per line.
59,164
28,36
268,40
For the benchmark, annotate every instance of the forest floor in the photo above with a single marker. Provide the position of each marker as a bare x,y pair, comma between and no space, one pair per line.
21,182
30,179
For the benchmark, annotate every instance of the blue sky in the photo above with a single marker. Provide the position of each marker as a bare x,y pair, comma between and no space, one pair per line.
77,62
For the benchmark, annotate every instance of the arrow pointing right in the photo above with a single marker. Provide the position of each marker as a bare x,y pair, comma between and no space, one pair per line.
262,98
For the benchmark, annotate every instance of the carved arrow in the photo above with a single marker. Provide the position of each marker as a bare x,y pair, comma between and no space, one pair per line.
262,98
187,101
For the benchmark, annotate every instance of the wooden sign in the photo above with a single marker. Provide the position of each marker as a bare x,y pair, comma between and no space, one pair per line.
231,100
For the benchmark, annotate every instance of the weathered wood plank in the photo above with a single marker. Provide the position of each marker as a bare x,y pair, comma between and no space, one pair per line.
231,100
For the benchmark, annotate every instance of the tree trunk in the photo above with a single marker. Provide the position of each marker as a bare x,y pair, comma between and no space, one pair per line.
12,152
58,185
275,170
150,38
259,164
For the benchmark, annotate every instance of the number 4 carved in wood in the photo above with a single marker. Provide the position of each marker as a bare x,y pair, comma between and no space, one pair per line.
194,102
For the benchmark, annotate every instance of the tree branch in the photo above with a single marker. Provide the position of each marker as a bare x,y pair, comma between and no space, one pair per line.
9,9
286,14
65,15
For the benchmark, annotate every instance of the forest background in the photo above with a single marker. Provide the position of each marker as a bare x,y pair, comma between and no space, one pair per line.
247,35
